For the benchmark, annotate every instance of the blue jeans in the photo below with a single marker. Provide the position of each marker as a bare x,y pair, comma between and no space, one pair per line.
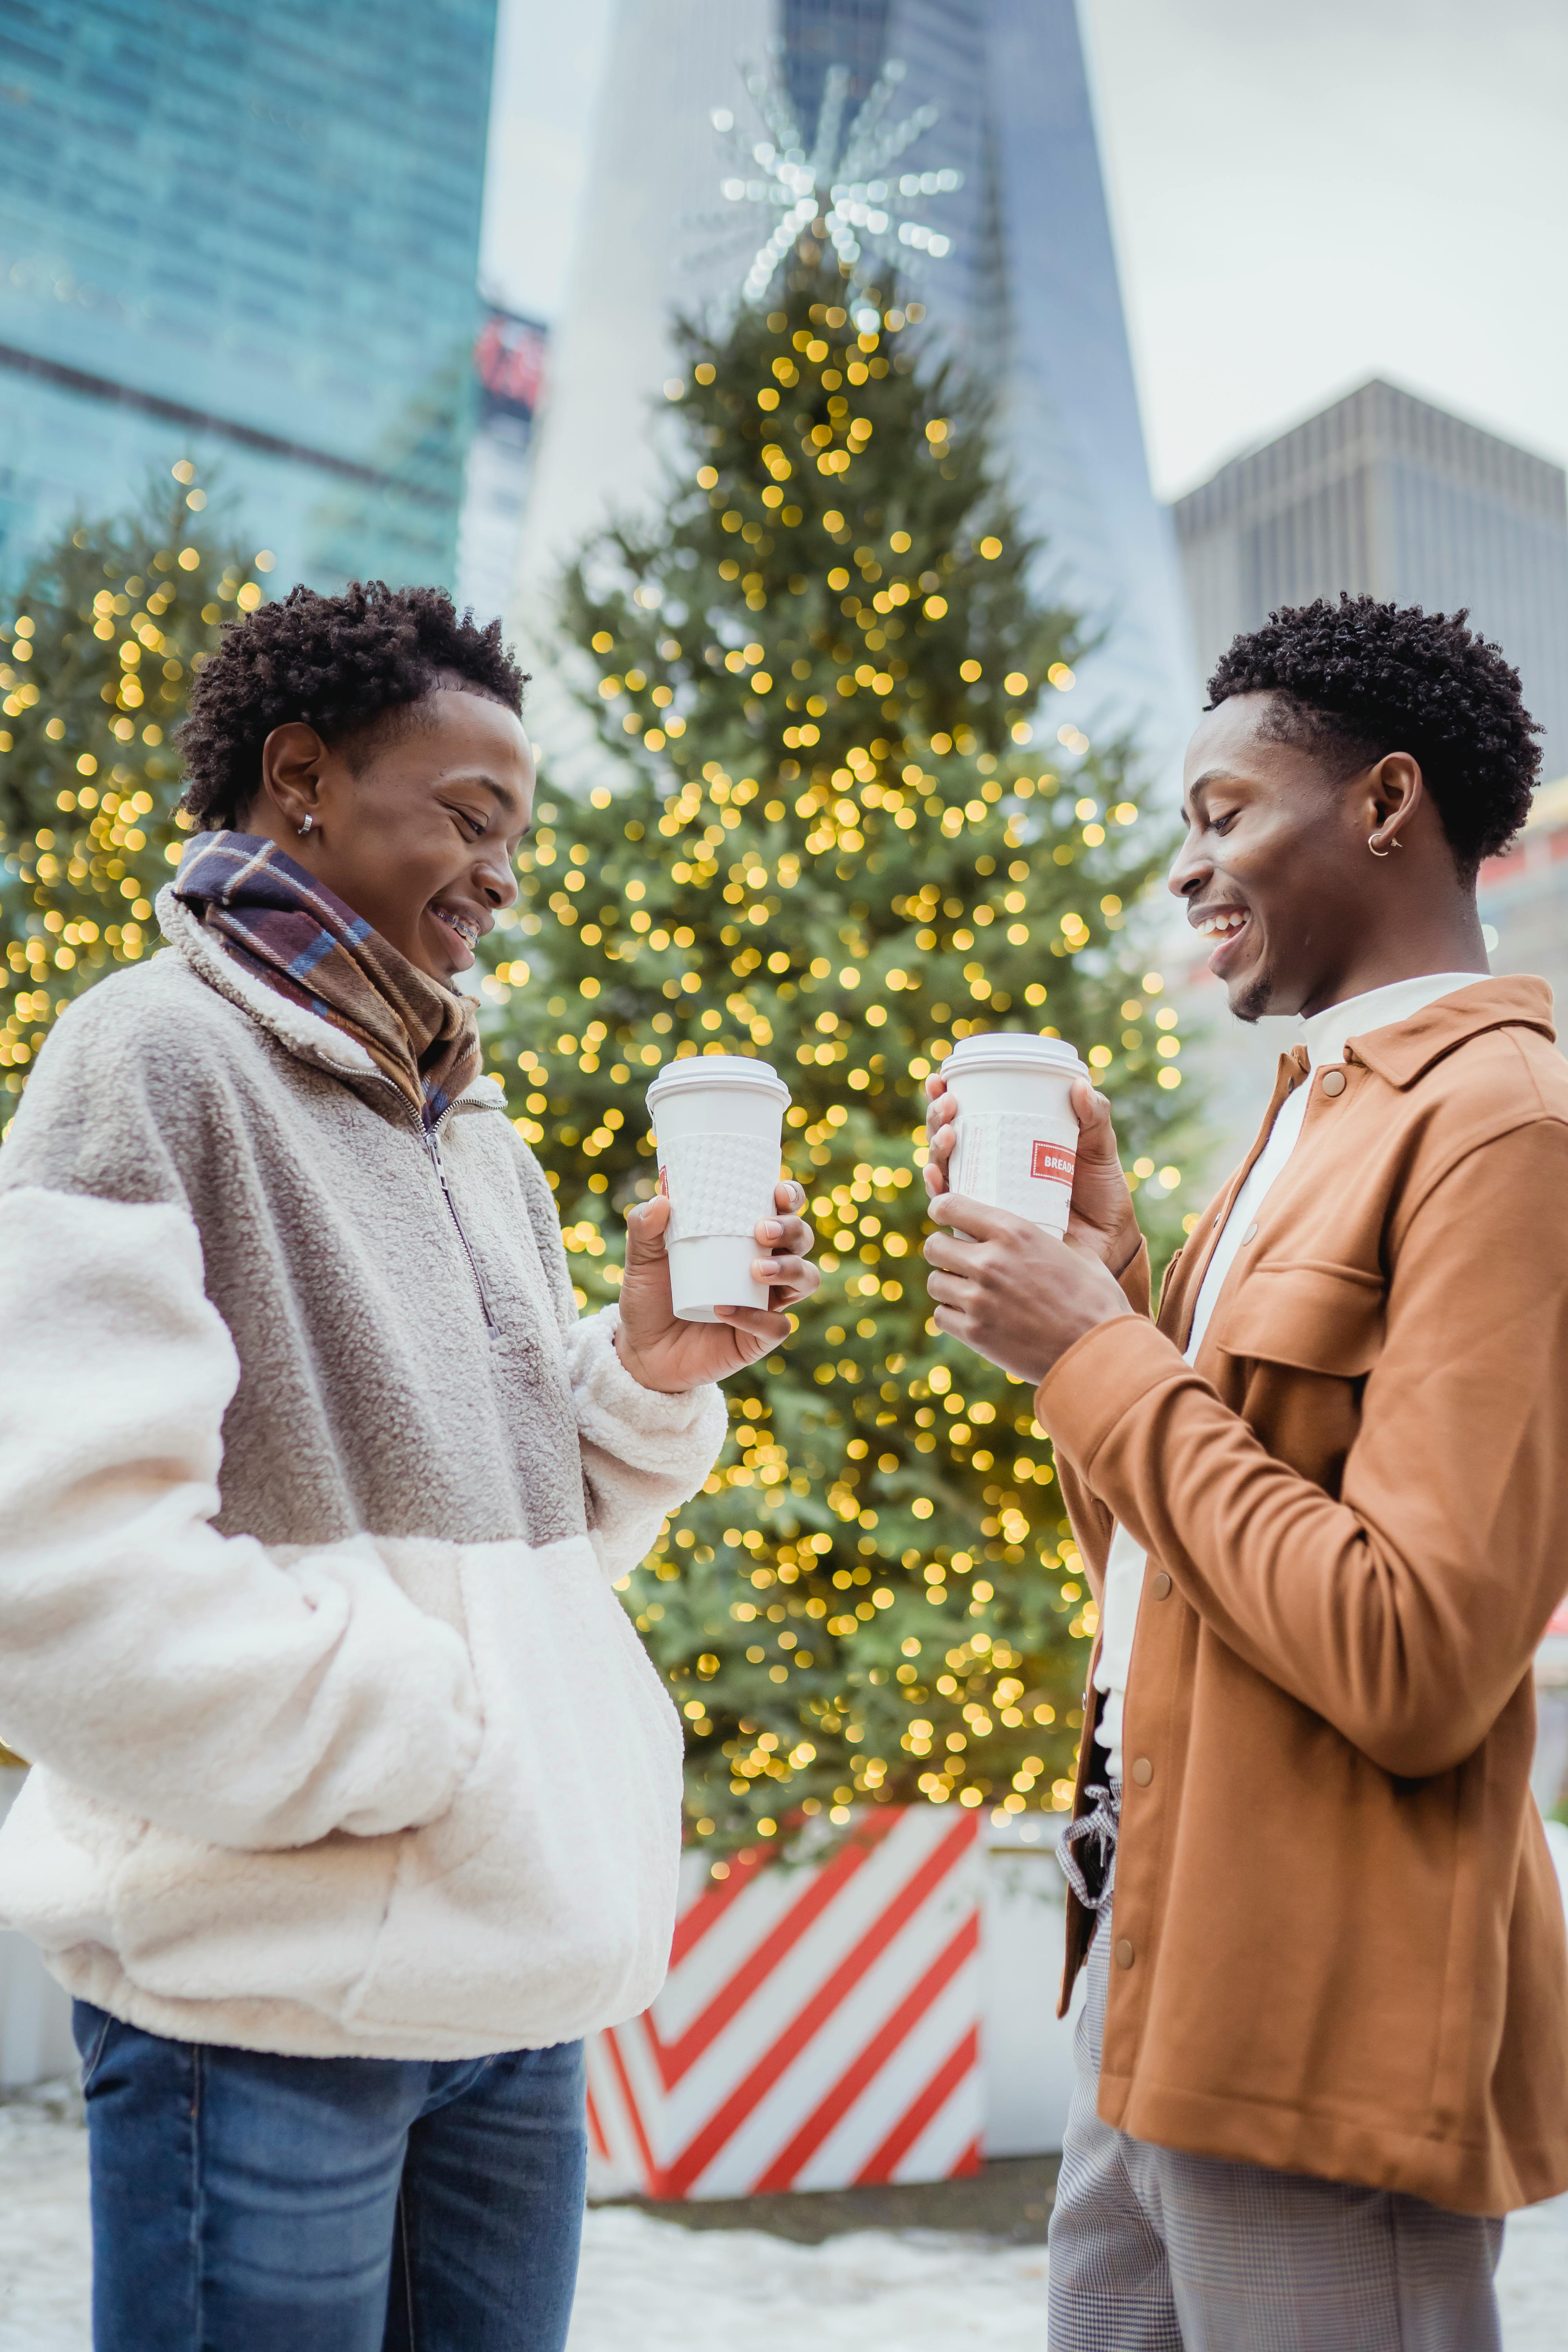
247,2203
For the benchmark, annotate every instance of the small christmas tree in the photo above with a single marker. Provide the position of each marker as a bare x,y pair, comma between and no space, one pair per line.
833,842
109,629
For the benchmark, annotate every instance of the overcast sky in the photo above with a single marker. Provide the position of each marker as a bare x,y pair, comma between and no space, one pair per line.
1305,192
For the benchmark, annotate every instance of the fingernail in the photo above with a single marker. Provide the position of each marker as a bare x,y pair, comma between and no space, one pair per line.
772,1228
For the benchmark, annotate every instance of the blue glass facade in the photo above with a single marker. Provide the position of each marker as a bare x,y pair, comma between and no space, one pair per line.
246,233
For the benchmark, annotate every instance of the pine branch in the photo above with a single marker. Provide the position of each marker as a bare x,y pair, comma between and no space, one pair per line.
111,626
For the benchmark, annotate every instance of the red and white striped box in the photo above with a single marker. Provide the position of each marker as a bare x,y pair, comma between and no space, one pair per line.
819,2027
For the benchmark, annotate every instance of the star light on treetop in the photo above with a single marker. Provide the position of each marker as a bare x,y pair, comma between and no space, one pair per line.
845,178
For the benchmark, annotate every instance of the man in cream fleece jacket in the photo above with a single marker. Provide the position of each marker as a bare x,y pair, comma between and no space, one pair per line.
356,1801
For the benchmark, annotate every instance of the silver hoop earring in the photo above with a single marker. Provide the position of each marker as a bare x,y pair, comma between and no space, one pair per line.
309,820
1372,844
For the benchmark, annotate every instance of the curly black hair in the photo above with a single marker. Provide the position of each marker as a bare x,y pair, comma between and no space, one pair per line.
1355,680
336,662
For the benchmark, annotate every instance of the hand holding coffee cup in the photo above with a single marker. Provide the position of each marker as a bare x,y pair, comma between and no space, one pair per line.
1101,1216
1021,1160
665,1350
723,1246
1009,1288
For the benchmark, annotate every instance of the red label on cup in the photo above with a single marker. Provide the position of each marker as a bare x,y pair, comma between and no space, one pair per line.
1054,1161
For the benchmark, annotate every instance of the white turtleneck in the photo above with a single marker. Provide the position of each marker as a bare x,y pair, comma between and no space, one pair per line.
1325,1036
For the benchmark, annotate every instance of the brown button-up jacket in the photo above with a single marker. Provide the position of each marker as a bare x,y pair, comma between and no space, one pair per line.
1339,1933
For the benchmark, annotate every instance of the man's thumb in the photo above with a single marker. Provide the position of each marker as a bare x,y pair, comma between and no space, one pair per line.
1096,1135
646,1226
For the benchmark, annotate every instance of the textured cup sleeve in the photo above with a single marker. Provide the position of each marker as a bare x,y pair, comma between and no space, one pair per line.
718,1184
1014,1160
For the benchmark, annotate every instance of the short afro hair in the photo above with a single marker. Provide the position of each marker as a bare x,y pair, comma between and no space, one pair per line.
336,662
1358,679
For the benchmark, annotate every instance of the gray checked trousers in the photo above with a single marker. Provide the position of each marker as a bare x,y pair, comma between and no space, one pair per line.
1151,2250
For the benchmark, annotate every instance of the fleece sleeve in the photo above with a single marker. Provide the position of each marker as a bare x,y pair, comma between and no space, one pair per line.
1405,1611
190,1677
644,1454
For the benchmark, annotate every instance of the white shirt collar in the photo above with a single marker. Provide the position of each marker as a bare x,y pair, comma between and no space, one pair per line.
1325,1033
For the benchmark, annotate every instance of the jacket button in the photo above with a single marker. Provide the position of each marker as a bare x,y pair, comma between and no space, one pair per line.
1333,1081
1160,1584
1123,1953
1143,1771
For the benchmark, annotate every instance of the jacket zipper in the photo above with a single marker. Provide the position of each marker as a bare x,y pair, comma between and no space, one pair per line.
432,1146
428,1137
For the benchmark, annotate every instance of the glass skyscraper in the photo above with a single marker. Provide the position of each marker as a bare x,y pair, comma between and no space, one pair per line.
244,233
1016,271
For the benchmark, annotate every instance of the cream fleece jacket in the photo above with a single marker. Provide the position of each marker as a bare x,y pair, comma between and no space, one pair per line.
310,1509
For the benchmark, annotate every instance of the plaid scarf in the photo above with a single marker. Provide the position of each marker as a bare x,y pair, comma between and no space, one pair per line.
301,940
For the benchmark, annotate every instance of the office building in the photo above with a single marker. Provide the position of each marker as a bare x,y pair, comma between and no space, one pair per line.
245,233
1386,496
1004,236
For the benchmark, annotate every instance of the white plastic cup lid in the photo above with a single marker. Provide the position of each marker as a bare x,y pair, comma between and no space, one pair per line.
715,1070
1015,1049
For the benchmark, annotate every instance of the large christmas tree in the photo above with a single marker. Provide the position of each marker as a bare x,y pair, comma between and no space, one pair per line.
96,660
842,821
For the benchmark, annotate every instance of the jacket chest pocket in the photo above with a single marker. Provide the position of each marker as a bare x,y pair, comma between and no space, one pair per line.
1302,1338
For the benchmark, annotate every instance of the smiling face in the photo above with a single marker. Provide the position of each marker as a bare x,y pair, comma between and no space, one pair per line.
414,824
1275,869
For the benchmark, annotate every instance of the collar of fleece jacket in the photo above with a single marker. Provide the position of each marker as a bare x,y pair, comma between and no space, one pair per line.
304,1034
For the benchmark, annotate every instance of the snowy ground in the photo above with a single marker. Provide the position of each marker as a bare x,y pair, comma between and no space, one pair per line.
655,2284
911,2291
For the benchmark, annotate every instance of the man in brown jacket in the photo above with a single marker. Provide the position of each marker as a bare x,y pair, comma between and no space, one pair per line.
1323,1498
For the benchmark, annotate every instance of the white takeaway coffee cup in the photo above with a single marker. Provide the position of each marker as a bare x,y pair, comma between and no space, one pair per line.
719,1126
1018,1132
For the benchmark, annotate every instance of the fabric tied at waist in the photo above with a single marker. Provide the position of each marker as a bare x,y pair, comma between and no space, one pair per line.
1093,1877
